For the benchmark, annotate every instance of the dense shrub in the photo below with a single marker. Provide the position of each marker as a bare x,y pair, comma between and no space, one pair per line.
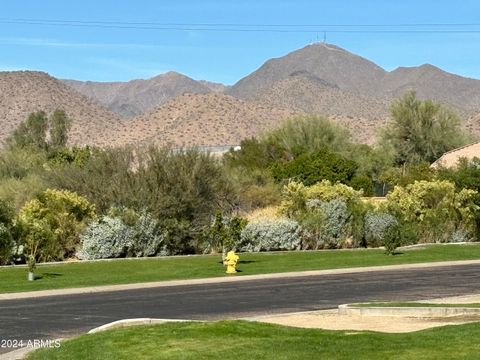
223,233
435,209
465,175
332,214
252,189
21,175
326,191
18,163
19,191
407,174
310,149
269,235
363,183
253,154
296,195
107,178
181,189
74,155
6,244
6,224
392,238
51,224
310,168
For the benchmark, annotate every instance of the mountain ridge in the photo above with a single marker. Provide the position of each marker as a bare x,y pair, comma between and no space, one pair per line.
320,79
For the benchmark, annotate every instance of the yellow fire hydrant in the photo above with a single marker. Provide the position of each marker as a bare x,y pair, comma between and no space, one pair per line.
231,262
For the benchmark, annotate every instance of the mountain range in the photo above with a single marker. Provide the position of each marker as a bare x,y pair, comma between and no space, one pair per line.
176,109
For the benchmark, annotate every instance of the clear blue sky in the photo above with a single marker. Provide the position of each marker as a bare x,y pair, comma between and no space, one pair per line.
123,53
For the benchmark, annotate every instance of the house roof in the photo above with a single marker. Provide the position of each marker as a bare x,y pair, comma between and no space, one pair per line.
450,158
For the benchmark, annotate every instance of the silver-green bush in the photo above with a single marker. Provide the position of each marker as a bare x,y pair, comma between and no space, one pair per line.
327,222
110,237
376,226
106,238
148,238
271,234
335,222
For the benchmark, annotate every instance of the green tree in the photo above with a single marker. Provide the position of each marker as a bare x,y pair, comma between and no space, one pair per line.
421,130
59,126
294,137
32,132
308,134
310,168
40,132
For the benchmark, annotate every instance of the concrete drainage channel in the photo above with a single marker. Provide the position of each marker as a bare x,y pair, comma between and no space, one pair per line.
420,311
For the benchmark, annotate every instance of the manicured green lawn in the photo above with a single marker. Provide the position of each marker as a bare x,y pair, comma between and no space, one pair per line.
247,340
416,304
69,275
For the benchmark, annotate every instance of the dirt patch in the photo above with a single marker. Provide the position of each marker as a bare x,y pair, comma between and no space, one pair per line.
331,320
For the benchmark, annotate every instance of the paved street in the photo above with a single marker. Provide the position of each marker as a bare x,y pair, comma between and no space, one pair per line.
61,316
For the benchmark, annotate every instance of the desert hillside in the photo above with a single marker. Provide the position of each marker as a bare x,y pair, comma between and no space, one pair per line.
335,66
310,94
23,92
137,97
431,82
202,120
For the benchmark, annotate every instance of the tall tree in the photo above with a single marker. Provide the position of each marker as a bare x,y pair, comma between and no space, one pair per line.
59,125
40,132
421,130
31,132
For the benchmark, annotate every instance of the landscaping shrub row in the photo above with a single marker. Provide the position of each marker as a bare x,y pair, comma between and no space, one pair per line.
310,179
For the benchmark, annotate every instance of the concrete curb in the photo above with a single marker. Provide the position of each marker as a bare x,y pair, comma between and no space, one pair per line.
133,322
418,312
229,279
22,352
18,354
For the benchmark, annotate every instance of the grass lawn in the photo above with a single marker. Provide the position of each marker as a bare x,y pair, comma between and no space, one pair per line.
416,304
248,340
69,275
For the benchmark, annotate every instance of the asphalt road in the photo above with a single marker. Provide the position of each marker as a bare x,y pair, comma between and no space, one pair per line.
62,316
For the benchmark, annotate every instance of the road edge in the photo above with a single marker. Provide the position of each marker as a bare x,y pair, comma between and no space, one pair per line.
228,279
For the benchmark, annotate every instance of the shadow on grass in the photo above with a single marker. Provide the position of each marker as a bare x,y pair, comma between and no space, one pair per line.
241,262
47,276
395,253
